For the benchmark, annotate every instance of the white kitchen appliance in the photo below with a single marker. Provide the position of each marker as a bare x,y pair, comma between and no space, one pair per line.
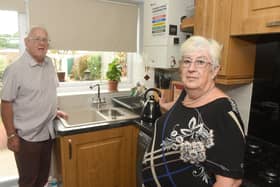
162,35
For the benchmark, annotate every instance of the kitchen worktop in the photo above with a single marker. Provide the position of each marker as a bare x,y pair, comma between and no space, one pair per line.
80,107
61,129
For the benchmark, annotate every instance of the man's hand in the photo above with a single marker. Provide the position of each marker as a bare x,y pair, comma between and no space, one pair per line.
13,143
62,114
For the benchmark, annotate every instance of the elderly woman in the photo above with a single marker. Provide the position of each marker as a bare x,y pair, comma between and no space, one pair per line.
199,141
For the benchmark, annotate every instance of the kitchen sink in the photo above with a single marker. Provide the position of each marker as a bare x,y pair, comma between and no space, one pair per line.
94,117
81,117
111,113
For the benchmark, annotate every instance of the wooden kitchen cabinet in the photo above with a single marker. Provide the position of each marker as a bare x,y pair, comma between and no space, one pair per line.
255,17
213,20
104,158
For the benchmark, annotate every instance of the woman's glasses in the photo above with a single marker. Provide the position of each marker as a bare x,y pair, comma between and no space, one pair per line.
198,63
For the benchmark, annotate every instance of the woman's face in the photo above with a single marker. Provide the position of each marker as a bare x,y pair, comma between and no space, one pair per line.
197,70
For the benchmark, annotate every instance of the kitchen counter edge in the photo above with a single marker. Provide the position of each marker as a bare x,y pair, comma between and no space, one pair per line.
62,131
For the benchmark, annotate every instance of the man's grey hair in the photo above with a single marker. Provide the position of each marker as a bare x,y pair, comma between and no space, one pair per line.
35,28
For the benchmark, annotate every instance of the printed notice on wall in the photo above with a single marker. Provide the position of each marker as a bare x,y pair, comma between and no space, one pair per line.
159,19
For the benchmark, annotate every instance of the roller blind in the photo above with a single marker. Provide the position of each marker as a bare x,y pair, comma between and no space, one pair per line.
86,24
15,5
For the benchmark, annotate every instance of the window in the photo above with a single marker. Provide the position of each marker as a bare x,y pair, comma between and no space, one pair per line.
86,65
77,69
9,39
9,51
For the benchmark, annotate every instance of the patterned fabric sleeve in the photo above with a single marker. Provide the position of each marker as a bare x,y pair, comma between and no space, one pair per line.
227,155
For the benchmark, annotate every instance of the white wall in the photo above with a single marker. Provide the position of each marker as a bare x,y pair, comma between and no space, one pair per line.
242,95
139,70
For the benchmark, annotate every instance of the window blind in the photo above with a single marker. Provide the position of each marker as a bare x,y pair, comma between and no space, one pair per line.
86,24
14,5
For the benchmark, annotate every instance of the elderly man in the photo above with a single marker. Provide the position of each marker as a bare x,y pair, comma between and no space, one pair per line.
29,107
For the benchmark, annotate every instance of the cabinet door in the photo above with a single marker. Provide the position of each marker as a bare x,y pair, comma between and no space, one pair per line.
99,158
255,17
212,20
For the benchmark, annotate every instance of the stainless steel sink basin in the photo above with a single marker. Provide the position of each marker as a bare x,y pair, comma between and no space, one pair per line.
93,117
80,117
111,113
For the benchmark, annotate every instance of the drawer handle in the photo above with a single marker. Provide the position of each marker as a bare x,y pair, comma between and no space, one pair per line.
273,24
70,148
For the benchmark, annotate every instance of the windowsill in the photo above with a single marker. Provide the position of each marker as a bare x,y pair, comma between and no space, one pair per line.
82,87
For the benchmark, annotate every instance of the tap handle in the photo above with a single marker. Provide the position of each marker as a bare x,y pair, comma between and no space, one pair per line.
98,89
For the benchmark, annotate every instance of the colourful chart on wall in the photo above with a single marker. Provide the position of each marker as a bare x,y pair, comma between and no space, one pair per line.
159,19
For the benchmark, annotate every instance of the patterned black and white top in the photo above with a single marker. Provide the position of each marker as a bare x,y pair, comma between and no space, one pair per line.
192,145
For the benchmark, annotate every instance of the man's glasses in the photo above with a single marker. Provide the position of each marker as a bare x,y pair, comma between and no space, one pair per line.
198,63
38,40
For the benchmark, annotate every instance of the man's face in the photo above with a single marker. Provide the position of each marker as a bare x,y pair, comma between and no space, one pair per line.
37,44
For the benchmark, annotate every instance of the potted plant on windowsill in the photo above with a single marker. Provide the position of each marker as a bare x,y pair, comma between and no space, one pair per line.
57,60
114,74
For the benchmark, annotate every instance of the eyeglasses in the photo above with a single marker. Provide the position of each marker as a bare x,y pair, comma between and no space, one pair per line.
198,63
38,40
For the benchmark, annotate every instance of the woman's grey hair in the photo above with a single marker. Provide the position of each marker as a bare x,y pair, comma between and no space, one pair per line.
197,43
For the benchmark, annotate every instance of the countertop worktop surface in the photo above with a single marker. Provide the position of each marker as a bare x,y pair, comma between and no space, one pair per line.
62,131
62,128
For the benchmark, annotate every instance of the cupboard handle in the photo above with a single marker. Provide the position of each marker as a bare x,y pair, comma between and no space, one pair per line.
70,148
273,24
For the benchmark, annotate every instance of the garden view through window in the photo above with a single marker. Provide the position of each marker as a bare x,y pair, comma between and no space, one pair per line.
86,65
9,39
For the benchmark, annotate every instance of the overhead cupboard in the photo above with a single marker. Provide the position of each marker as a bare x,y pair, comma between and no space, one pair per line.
233,23
255,17
213,20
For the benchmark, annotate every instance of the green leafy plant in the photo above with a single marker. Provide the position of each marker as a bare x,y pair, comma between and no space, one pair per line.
114,71
94,66
79,67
